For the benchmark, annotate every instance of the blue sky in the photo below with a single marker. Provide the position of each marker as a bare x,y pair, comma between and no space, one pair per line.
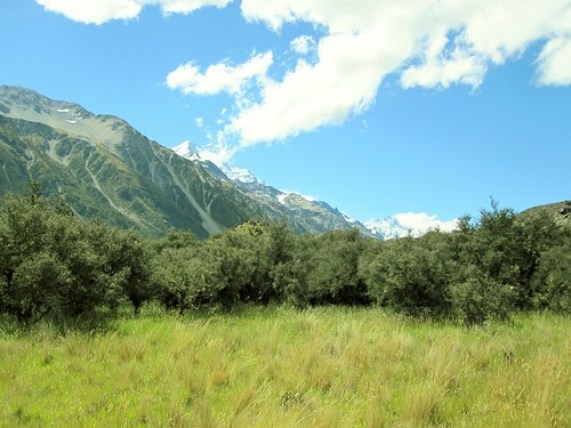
377,107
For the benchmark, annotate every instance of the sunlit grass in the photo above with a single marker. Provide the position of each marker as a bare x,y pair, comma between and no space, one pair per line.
324,367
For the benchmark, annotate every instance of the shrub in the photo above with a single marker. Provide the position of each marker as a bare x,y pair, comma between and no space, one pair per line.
478,298
411,276
53,263
552,282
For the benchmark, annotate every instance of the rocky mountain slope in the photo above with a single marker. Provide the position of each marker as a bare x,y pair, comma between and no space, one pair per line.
304,214
106,169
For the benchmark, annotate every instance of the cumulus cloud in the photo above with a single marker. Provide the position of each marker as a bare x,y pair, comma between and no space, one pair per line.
187,6
554,62
93,12
429,43
220,77
425,43
302,44
344,81
101,11
218,153
442,67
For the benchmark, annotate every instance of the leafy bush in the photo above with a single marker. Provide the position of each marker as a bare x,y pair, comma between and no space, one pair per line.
333,277
506,249
552,283
411,276
53,264
479,298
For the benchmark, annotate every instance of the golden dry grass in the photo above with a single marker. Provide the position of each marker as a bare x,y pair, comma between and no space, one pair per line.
326,367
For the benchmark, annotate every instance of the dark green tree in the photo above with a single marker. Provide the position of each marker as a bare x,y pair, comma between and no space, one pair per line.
412,275
333,278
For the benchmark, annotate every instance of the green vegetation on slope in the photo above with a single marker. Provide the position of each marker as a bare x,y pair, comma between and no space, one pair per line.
134,183
323,367
560,212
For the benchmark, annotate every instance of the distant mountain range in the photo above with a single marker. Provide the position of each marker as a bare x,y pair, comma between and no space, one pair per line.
309,215
106,169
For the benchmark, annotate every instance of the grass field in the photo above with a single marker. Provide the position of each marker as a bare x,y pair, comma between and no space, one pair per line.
324,367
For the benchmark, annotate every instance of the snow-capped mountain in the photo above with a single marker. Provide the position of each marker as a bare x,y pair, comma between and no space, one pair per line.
388,228
307,214
404,224
242,175
301,212
188,150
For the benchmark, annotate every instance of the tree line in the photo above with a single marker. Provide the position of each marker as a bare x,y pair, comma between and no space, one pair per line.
56,266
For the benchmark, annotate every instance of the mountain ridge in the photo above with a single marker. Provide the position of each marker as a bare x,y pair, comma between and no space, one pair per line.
104,168
317,216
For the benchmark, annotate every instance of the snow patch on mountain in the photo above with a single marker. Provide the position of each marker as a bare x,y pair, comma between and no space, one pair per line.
186,149
397,226
348,218
242,175
308,198
189,151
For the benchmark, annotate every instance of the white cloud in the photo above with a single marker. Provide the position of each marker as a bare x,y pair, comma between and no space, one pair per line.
302,44
443,72
101,11
337,15
343,82
188,6
220,77
430,43
93,12
218,153
554,62
199,122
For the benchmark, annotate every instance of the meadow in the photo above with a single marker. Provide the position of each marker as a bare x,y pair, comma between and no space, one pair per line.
277,366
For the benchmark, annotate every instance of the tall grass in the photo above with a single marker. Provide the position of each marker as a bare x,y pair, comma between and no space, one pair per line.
325,367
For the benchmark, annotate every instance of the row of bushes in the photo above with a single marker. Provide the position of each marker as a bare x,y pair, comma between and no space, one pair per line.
55,265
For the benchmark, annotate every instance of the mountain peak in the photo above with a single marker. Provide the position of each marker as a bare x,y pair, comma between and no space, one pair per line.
26,102
414,224
241,175
187,150
70,118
